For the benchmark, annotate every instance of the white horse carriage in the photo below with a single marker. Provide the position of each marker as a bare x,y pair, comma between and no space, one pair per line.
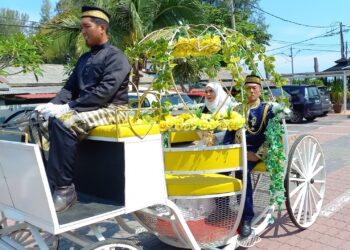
172,192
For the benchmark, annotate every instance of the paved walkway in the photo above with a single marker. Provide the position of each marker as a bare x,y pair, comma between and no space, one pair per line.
330,231
332,228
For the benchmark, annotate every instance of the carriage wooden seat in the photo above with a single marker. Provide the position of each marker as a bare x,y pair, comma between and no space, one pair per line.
124,130
203,184
184,136
194,172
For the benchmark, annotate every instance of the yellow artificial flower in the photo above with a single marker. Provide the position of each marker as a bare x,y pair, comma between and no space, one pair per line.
163,126
203,125
206,116
192,123
179,125
235,115
223,124
213,124
185,116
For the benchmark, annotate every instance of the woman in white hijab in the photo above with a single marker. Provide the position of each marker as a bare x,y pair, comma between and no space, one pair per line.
216,101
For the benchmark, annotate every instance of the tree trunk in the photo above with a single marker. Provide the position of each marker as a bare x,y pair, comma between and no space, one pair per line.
136,76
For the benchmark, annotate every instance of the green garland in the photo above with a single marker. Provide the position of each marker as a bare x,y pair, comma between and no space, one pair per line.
275,161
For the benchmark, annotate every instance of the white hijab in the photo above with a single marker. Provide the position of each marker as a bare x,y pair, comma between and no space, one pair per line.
221,97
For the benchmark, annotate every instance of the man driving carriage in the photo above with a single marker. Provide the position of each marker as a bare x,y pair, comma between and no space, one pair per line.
96,89
258,115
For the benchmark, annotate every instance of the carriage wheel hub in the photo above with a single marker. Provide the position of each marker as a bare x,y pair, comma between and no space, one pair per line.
312,181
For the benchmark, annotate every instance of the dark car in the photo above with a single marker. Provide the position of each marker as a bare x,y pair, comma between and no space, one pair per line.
197,96
273,92
305,102
325,100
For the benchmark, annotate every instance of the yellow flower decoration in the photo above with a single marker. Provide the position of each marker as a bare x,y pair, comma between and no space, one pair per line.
223,124
179,125
203,125
163,126
201,46
213,124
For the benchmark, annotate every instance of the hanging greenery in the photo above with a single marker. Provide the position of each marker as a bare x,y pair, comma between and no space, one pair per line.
275,157
209,48
206,47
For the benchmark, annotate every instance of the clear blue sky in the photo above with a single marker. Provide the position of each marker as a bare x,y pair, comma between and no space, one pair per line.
314,13
31,7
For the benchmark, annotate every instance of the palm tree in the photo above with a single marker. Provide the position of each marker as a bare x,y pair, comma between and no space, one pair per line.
130,21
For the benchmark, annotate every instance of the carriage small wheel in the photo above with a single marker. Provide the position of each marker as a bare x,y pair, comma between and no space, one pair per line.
112,244
305,181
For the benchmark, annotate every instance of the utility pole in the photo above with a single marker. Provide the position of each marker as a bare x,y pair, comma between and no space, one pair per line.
346,49
341,41
291,57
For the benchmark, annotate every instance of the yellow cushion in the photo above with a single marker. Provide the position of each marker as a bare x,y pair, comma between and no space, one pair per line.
124,130
201,184
194,160
260,167
184,136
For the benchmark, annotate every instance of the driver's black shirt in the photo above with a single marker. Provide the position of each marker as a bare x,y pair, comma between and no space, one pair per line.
99,78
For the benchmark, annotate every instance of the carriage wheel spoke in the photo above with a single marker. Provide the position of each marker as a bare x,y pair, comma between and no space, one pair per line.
313,198
316,191
297,179
295,167
317,171
297,200
302,165
291,194
302,201
312,205
319,181
306,203
314,163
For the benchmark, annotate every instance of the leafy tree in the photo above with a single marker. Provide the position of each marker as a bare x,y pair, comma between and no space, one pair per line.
247,20
309,81
63,6
18,51
130,21
12,22
216,15
45,11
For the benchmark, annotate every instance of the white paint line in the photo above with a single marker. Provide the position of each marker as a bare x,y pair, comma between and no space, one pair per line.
327,133
313,132
336,204
317,125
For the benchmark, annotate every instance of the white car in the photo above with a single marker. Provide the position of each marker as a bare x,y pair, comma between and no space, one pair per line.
174,99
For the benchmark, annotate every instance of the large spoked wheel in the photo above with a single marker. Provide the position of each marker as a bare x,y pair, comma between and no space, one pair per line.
23,237
305,181
110,244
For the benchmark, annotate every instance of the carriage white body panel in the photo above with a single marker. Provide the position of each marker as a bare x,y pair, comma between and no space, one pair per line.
5,198
144,173
24,175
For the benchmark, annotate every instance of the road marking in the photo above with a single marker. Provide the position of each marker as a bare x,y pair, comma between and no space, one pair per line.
336,204
319,133
327,133
318,125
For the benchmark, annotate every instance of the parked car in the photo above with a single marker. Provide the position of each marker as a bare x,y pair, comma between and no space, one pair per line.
176,104
273,92
305,102
197,96
325,100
